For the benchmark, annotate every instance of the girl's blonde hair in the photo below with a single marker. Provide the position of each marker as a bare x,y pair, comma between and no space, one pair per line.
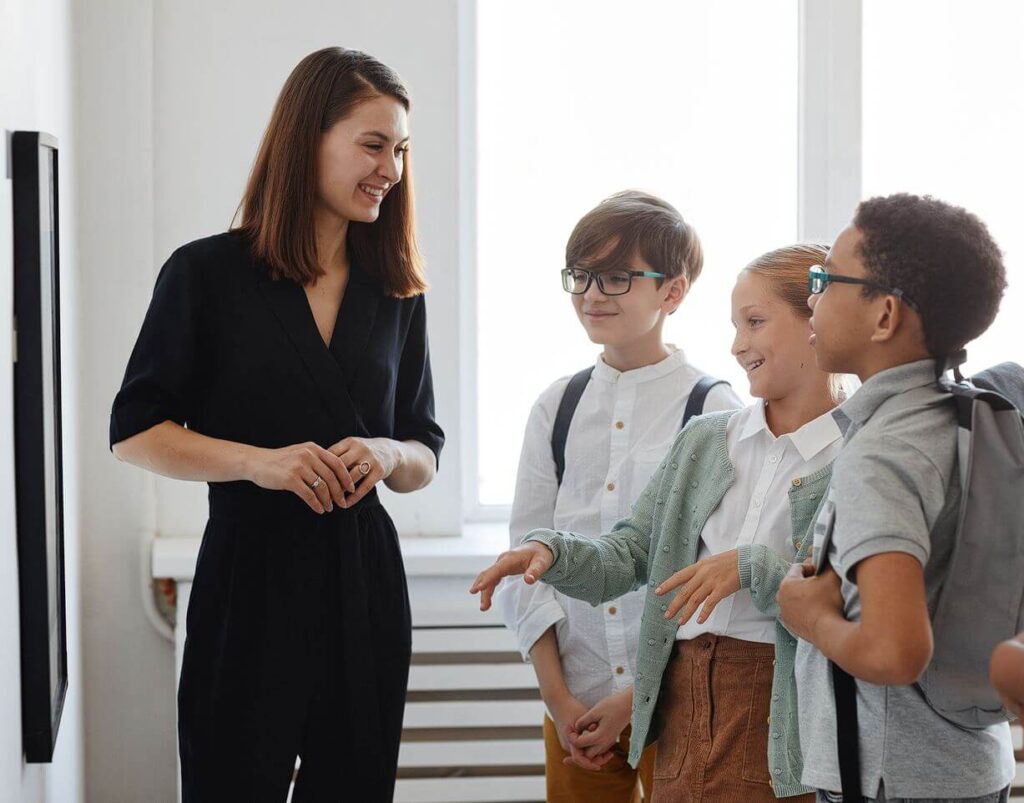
786,270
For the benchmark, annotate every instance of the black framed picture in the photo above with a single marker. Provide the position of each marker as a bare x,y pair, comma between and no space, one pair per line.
39,483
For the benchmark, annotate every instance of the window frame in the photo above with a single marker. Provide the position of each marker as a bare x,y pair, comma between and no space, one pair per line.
828,181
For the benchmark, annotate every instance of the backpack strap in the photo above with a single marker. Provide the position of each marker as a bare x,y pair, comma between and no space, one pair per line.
844,689
699,394
566,409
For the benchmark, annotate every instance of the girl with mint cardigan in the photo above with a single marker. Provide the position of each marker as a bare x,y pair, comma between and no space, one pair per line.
723,518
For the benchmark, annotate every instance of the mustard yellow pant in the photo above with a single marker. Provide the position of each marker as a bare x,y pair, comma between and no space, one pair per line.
616,782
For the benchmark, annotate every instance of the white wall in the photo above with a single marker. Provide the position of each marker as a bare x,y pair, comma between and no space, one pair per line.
35,94
172,97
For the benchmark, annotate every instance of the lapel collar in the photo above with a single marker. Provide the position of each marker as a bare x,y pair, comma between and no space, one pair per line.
355,321
288,302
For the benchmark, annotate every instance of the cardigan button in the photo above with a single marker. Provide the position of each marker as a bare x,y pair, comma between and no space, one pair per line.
693,484
675,465
797,482
693,457
650,642
664,549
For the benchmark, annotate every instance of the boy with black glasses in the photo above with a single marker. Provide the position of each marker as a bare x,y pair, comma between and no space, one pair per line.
591,445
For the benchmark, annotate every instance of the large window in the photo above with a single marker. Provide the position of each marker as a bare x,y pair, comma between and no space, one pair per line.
694,101
944,115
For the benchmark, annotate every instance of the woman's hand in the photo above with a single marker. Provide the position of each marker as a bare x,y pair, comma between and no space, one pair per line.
368,461
297,469
707,581
532,559
599,730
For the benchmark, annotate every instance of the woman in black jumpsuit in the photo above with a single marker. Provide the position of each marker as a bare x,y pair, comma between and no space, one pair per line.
298,627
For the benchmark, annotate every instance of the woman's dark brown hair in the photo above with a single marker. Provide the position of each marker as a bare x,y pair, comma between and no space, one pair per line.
277,208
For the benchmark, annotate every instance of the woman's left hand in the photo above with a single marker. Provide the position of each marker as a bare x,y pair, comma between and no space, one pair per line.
369,461
707,581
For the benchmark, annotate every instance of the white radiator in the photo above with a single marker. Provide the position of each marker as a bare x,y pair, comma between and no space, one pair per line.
473,720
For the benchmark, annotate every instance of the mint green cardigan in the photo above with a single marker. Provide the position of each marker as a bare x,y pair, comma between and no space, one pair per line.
659,539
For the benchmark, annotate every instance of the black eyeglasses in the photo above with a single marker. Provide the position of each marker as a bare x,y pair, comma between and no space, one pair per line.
818,280
610,282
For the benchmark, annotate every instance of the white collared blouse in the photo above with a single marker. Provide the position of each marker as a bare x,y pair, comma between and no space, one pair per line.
624,425
756,510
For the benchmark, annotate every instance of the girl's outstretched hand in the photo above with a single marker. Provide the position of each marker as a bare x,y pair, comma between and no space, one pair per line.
706,582
531,559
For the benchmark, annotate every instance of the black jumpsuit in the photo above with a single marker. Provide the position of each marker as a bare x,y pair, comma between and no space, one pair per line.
298,628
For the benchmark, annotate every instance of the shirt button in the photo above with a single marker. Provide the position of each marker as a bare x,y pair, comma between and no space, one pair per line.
620,424
611,486
775,459
613,610
619,670
757,503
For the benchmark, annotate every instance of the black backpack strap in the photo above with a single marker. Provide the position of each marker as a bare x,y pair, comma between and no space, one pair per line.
699,394
844,688
566,409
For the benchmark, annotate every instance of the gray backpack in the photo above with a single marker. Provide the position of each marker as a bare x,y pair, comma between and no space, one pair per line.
982,600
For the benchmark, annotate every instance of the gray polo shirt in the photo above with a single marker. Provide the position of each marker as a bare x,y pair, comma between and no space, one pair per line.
895,488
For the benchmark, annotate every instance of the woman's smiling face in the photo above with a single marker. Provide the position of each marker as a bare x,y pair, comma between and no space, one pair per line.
361,158
771,339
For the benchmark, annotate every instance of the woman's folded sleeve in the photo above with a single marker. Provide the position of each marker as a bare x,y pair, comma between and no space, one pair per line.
160,382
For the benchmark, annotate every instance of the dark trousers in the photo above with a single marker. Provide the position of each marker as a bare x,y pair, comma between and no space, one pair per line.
298,644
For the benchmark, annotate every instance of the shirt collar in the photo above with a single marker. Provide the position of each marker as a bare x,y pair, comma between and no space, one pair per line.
883,385
813,437
672,362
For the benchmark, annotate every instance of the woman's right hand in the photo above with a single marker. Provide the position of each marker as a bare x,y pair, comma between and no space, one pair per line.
296,468
532,559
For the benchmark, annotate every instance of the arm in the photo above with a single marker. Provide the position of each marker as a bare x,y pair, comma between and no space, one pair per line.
173,451
530,610
1006,672
605,568
891,644
762,570
596,570
887,501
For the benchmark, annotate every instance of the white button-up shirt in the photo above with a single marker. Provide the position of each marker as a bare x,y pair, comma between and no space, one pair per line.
755,509
623,427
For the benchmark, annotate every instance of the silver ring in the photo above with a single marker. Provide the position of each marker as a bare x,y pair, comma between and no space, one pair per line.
364,467
317,482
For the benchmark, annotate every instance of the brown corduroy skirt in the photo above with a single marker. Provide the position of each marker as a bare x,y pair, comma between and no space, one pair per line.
713,723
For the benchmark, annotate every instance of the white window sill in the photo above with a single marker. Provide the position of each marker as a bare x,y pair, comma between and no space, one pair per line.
463,555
